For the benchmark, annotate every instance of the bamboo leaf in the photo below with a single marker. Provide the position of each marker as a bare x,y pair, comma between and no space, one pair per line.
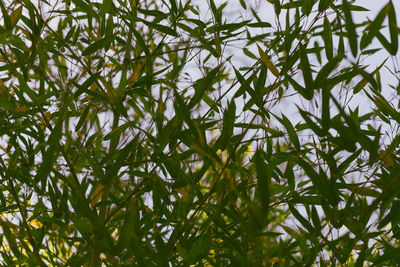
301,219
97,45
291,131
374,28
267,62
350,28
83,118
50,155
311,125
6,17
326,118
11,239
307,72
324,4
393,29
367,78
323,74
228,124
15,15
82,5
97,194
327,37
202,86
306,93
106,7
160,28
264,174
117,131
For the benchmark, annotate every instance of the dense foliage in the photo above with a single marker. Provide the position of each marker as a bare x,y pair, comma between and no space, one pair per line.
205,133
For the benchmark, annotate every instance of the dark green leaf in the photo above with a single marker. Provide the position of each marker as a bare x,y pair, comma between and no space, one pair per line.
322,76
393,29
307,72
327,37
202,86
106,7
324,4
82,5
263,180
160,28
228,124
291,131
50,155
350,28
97,45
374,27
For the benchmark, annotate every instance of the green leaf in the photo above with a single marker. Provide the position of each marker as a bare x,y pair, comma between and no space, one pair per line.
6,17
153,12
202,86
259,85
301,219
306,93
291,131
326,118
350,28
83,118
327,37
322,76
228,124
50,155
393,29
139,39
160,28
324,4
374,28
367,78
106,7
97,45
11,239
311,125
264,173
307,6
245,84
307,72
117,131
85,8
315,219
260,24
277,6
321,183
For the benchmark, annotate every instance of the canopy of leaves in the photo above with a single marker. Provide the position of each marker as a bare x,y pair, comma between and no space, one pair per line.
204,133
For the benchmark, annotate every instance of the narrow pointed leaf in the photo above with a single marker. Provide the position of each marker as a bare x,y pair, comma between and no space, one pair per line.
263,181
267,61
327,37
393,29
350,28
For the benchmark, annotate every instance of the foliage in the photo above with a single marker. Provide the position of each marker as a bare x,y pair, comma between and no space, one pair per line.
176,133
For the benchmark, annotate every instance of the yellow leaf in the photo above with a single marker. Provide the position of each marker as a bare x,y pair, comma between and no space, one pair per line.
135,75
98,192
274,259
185,194
386,157
26,33
35,223
267,62
62,61
15,15
358,246
22,109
